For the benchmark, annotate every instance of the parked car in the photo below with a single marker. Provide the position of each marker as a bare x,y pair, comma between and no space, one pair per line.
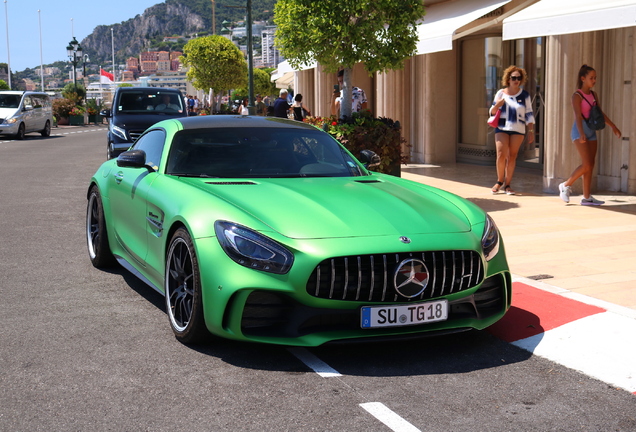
266,229
135,109
23,112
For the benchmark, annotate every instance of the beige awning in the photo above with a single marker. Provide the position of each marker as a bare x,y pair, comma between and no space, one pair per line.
556,17
284,74
441,22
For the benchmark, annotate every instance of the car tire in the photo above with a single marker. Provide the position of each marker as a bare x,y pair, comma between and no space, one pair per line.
21,132
110,152
47,129
184,302
96,234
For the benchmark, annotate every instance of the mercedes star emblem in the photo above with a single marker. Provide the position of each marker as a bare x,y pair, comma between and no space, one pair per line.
411,278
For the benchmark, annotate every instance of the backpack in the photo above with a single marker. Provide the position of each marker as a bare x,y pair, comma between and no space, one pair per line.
596,121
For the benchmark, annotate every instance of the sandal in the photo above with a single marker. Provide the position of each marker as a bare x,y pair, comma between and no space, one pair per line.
509,190
496,187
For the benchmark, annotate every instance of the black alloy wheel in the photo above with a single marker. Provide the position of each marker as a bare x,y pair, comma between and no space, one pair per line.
96,235
184,303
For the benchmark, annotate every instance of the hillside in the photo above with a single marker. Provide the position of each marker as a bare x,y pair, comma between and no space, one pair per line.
172,17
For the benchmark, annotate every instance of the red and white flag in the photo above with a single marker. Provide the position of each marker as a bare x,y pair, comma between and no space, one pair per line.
105,77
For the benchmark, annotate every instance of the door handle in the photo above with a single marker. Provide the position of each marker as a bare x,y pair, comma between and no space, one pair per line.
119,177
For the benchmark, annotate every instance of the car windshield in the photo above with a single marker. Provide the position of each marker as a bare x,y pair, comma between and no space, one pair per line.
259,153
9,101
151,100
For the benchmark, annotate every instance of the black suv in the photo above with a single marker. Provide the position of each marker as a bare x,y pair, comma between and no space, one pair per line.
135,109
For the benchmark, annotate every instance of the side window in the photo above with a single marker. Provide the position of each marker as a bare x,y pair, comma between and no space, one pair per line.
27,101
152,143
37,101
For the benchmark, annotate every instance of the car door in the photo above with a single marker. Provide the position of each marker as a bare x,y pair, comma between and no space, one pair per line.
128,190
38,112
28,114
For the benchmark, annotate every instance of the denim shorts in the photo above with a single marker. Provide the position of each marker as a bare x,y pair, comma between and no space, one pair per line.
590,134
497,130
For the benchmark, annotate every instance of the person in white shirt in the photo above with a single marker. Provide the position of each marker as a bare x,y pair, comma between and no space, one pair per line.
516,122
358,97
166,105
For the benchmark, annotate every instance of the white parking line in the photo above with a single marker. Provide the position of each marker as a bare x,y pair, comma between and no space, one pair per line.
317,365
388,417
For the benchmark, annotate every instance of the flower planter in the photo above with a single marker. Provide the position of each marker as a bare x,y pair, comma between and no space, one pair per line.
94,118
63,121
76,120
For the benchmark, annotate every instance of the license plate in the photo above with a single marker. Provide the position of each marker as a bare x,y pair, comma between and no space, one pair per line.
404,315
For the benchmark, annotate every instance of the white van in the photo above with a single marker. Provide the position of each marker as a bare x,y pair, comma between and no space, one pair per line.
24,112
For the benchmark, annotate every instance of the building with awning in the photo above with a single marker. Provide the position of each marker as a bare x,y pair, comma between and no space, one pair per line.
442,95
283,75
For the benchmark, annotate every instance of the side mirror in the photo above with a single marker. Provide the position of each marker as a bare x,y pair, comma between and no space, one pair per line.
132,159
369,158
105,113
28,108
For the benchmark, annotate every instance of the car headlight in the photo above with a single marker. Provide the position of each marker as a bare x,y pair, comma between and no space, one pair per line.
253,250
11,120
121,133
490,239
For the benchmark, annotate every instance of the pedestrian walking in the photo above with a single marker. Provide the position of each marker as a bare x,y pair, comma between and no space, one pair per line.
588,118
516,122
242,108
261,109
281,106
300,111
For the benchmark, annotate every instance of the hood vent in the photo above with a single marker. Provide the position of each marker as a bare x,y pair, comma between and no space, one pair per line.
232,183
367,181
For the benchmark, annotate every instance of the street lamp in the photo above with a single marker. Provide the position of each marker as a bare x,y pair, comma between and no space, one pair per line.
250,56
74,52
84,77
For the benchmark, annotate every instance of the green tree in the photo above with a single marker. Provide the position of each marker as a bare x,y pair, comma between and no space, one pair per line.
74,93
263,83
215,63
340,34
4,85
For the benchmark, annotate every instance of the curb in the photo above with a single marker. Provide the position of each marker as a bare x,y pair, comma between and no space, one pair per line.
579,332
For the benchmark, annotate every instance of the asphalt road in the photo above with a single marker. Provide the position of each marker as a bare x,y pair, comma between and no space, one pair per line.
87,350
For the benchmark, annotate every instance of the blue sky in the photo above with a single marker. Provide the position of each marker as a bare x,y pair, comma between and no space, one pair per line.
57,27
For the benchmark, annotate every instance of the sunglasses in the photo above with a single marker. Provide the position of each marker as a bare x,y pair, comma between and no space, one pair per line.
515,78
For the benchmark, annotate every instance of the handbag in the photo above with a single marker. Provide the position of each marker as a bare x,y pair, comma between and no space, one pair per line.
596,120
493,120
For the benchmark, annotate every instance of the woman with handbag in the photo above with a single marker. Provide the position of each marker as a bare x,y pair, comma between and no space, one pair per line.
300,111
513,105
588,118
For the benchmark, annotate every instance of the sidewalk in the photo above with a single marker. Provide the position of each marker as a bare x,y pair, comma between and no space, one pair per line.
569,248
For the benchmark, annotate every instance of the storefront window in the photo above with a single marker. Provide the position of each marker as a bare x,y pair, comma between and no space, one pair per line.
481,69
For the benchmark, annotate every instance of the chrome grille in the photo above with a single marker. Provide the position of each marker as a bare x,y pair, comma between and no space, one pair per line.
135,134
371,277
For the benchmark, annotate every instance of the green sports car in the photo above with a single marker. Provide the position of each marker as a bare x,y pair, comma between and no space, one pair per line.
266,229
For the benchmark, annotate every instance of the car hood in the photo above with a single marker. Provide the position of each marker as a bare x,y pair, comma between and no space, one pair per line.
7,112
142,120
341,207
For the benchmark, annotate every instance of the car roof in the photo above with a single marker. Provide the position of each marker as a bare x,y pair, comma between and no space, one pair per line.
239,121
21,92
157,89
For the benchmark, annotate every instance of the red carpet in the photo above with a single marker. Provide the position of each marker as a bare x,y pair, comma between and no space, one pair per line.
535,311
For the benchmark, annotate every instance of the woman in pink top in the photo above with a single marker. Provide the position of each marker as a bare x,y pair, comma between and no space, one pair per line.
584,137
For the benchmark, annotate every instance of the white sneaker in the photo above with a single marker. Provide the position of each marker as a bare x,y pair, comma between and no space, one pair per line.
564,192
591,201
